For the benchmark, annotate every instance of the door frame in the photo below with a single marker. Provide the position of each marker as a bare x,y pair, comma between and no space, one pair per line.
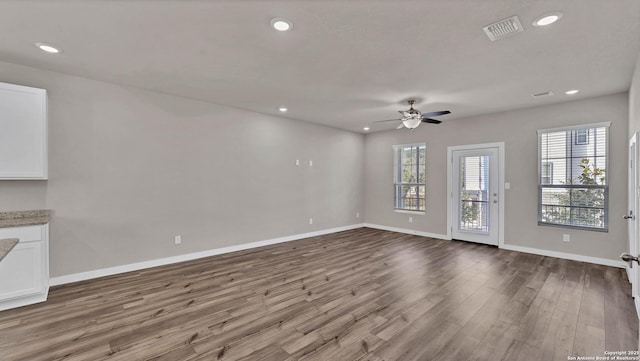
632,205
501,180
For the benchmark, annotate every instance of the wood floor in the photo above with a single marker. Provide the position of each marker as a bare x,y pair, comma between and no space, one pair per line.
356,295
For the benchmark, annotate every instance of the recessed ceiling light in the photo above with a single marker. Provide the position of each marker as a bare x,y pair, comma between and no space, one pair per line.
281,24
366,129
547,19
48,48
283,109
571,92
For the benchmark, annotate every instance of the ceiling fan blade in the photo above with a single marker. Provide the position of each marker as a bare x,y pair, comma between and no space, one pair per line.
435,114
400,126
390,120
431,121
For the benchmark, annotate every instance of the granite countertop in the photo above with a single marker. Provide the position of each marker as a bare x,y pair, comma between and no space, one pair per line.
24,218
7,245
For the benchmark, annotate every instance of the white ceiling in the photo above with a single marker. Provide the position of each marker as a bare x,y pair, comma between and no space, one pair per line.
345,64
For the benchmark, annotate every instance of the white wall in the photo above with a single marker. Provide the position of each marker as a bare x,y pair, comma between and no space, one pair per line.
518,130
634,100
129,169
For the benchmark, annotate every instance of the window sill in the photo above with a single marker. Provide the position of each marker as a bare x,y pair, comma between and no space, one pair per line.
420,213
545,224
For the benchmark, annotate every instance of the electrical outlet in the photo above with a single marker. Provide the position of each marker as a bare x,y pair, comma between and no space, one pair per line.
178,239
357,215
566,237
410,219
310,220
297,161
310,163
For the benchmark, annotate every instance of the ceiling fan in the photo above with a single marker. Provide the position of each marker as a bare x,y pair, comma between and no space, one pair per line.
412,118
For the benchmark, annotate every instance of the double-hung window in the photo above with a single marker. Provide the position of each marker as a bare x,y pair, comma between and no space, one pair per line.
409,177
573,184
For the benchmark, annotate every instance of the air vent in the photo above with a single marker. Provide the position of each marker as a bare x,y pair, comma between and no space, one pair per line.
503,28
545,94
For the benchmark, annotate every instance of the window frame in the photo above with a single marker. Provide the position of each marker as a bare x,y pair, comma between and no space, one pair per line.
605,186
397,178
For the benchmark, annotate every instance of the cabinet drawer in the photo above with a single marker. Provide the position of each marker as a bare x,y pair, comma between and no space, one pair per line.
25,234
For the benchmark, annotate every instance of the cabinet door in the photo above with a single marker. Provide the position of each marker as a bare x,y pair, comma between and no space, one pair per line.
21,271
23,132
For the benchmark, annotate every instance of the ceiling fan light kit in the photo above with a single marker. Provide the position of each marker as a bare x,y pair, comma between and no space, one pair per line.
412,123
412,118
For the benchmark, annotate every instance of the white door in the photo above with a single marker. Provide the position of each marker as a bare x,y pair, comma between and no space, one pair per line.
475,195
632,195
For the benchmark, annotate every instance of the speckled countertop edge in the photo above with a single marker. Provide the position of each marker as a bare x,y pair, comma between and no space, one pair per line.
24,218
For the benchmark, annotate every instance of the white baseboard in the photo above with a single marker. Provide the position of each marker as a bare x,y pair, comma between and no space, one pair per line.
541,252
636,300
408,231
24,301
570,256
55,281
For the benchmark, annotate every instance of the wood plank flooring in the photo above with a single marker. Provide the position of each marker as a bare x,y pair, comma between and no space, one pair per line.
357,295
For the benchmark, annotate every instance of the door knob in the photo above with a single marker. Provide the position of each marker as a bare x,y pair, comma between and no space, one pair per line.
629,258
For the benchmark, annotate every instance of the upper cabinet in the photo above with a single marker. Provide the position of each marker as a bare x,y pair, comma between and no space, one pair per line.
23,132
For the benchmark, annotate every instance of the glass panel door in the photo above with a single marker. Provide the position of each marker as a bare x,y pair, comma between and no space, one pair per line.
475,203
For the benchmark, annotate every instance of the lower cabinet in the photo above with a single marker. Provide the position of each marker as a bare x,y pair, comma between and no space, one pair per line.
24,272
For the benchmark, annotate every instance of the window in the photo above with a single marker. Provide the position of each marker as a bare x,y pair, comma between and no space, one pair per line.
573,182
546,173
409,177
582,136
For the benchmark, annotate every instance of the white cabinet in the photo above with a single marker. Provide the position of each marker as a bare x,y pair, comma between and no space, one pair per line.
23,132
24,272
